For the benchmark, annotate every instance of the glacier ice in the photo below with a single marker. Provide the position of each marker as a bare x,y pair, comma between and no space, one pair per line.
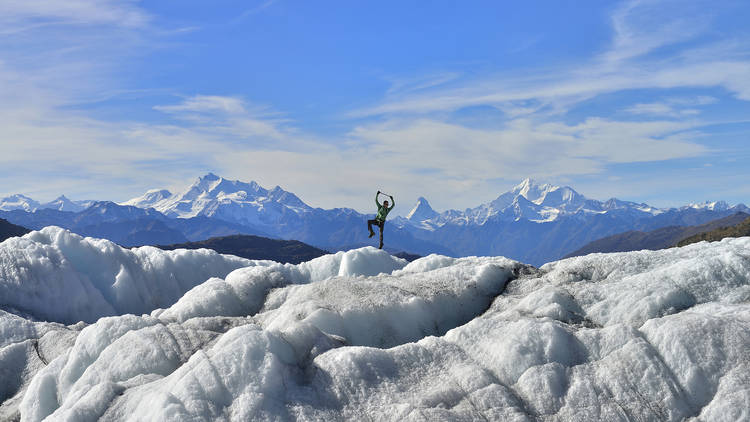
56,275
650,335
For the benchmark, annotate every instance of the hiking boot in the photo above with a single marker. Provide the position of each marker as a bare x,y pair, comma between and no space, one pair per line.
372,233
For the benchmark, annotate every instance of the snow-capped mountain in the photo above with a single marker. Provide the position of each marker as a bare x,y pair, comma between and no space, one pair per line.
230,200
533,222
421,211
708,205
530,201
275,212
18,202
149,199
61,203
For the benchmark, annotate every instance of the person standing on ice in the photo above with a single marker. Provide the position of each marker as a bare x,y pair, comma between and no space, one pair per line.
379,220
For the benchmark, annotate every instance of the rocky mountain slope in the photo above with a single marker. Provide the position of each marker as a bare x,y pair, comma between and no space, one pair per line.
737,230
8,229
665,237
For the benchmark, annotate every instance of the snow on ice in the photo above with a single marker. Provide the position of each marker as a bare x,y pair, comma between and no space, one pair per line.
56,275
362,335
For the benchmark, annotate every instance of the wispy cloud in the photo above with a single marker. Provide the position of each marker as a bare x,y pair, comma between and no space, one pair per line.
563,89
408,139
639,29
56,54
672,107
235,119
700,100
205,104
400,86
30,14
252,11
641,26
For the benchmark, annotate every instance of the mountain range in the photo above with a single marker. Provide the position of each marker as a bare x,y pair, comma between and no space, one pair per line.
128,225
662,238
533,222
61,203
539,223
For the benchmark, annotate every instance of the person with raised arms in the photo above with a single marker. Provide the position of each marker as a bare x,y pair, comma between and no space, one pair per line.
379,220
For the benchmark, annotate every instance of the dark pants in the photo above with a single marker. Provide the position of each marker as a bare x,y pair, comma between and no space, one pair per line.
379,224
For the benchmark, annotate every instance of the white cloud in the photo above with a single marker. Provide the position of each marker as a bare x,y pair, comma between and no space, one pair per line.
414,157
639,28
562,89
235,119
206,104
63,53
19,15
673,106
642,26
411,150
699,100
651,108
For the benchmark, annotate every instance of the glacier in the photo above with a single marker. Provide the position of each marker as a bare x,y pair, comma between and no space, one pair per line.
56,275
362,335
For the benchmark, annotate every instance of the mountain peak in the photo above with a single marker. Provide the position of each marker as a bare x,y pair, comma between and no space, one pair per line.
526,183
18,202
278,194
62,203
711,205
158,191
532,190
19,196
421,211
209,177
530,183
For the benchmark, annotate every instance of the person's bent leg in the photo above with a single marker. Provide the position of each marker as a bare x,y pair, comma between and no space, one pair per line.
369,226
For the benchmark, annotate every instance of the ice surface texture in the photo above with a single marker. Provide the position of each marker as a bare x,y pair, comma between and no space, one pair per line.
360,335
56,275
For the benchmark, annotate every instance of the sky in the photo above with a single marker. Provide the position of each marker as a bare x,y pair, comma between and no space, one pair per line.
457,102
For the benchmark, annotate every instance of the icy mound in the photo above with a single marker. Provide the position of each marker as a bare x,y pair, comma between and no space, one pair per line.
56,275
653,335
244,291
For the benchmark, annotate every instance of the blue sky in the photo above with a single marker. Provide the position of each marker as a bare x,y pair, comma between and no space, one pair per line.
455,101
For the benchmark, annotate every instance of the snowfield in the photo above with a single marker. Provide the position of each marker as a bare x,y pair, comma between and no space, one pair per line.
361,335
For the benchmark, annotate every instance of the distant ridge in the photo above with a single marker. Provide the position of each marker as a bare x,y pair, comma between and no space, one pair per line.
256,247
662,238
738,230
8,229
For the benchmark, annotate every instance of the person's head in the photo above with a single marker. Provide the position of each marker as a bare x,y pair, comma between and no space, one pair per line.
385,203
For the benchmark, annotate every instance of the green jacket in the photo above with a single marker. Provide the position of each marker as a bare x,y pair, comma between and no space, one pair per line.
382,210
